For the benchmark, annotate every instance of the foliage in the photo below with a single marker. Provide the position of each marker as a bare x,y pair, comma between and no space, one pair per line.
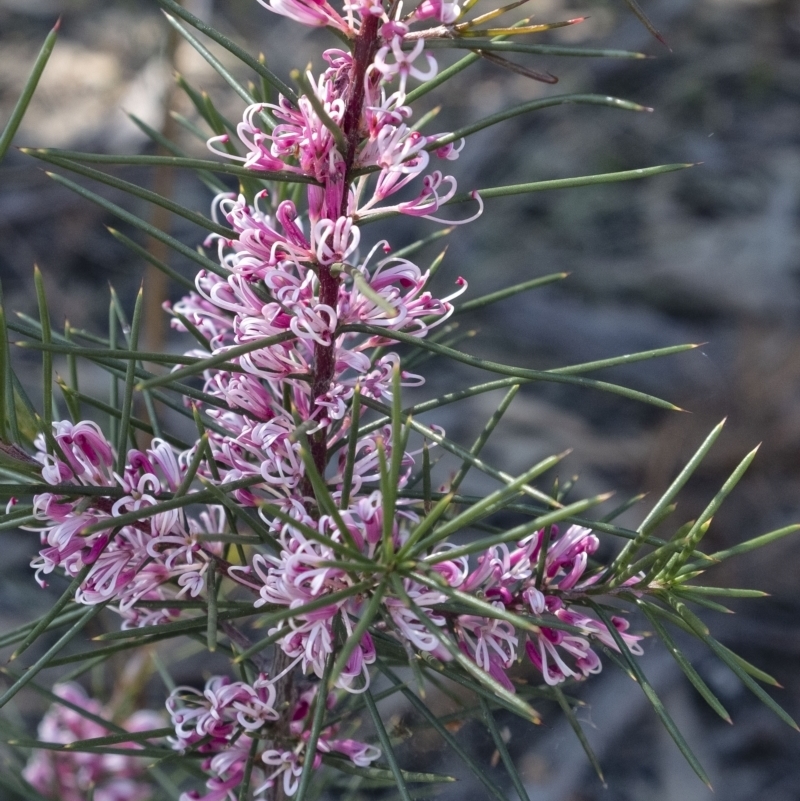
304,532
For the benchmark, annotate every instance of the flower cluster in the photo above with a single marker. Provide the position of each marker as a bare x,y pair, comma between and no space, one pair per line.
225,720
296,324
156,559
74,776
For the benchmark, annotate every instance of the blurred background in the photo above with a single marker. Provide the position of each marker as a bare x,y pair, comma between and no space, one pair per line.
710,254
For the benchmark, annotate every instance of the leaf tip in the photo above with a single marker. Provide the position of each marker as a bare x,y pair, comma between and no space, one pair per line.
57,26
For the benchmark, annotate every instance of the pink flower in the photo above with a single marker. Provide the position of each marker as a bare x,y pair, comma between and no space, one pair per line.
71,775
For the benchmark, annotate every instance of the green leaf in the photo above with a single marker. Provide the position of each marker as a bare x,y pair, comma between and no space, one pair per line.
451,741
410,250
652,697
20,633
166,506
500,745
700,527
734,662
327,505
302,81
643,18
756,542
199,366
508,292
381,774
647,525
523,709
561,375
132,219
47,359
544,186
27,93
579,733
352,444
215,63
492,503
493,45
257,66
518,532
472,604
447,73
47,658
122,737
317,720
284,614
177,162
18,786
127,397
213,612
137,191
386,745
684,664
534,105
148,257
248,770
483,437
45,621
140,752
353,640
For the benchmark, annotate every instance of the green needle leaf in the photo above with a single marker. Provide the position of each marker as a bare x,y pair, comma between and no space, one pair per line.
248,770
201,365
502,294
579,733
257,66
566,375
132,219
354,640
451,741
212,60
47,359
45,621
284,614
643,18
685,665
27,93
127,397
647,525
386,745
654,700
558,183
137,191
536,49
177,162
213,613
535,105
500,745
47,658
320,703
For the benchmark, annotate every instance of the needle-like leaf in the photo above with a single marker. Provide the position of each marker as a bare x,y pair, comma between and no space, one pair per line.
317,720
685,665
27,93
509,292
579,733
534,105
258,66
386,745
47,658
652,697
451,741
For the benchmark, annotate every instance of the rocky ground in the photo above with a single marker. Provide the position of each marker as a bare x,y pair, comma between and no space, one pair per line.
710,254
